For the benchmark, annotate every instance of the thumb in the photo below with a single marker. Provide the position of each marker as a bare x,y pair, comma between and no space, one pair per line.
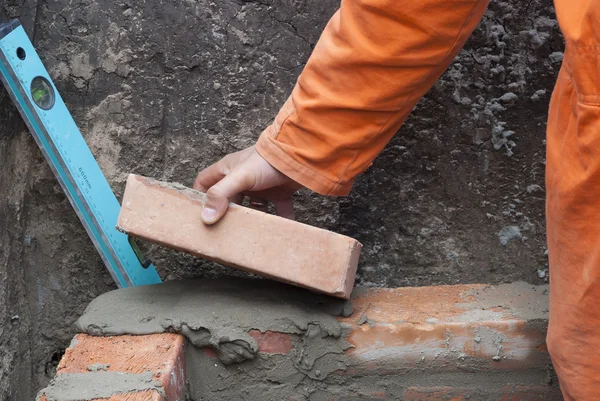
217,197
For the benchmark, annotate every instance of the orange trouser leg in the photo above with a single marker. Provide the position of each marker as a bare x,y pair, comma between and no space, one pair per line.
573,204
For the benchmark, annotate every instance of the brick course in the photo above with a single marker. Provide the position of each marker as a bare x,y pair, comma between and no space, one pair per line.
447,343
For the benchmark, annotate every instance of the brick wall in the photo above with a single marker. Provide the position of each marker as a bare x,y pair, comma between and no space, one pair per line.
445,343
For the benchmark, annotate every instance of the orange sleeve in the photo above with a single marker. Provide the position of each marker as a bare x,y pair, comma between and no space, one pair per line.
373,62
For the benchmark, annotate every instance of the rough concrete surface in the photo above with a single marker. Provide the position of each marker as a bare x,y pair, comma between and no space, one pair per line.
163,88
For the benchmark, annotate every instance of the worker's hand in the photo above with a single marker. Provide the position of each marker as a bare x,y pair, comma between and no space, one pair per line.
240,174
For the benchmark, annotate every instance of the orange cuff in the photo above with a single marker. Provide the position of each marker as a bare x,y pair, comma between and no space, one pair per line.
277,156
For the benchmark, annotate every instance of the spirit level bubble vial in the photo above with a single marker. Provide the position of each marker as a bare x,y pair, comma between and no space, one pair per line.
33,93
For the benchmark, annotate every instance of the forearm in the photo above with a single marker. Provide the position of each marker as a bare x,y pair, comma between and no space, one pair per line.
374,61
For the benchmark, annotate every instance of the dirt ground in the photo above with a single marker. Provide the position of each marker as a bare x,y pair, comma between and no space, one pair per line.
165,88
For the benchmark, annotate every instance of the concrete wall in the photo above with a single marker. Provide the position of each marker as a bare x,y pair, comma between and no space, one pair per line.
164,88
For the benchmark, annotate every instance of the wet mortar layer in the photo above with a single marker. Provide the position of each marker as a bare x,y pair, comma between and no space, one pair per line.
220,313
163,89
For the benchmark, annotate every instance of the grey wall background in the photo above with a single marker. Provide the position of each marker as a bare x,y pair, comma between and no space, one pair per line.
164,88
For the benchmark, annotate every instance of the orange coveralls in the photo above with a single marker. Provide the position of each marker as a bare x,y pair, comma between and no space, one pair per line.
377,58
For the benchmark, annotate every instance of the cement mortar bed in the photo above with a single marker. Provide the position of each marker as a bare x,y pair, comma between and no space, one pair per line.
474,340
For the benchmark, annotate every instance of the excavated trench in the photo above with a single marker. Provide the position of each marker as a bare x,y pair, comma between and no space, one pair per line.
164,88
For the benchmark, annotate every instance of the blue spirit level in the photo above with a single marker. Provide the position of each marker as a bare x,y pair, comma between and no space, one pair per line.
63,146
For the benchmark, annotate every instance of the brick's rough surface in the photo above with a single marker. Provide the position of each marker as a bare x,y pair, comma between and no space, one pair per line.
131,354
272,342
468,326
161,355
442,343
247,239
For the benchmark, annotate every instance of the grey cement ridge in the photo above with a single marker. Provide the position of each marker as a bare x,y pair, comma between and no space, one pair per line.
98,385
522,300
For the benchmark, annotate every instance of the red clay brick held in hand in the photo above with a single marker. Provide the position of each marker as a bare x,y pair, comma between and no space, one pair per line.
264,244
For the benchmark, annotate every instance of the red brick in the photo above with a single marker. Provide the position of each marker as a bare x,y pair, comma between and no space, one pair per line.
446,326
246,239
131,354
160,354
271,342
210,352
